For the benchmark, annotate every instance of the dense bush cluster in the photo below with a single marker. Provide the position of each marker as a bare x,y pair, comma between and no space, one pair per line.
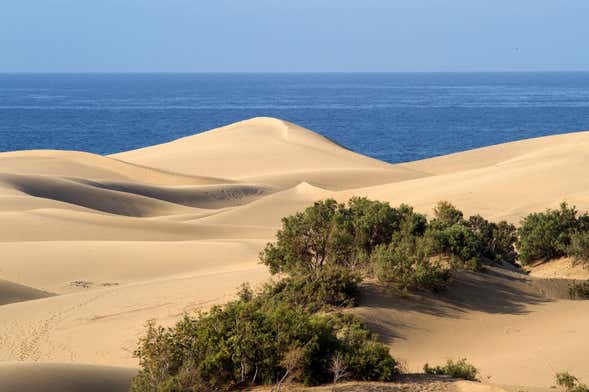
553,233
455,369
331,234
257,340
397,245
407,262
472,239
335,287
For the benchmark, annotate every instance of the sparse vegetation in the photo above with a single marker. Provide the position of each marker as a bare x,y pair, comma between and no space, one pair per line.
570,383
291,330
579,290
455,369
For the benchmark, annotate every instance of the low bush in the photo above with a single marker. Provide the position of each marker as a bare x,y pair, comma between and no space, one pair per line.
496,240
455,369
579,290
364,357
397,244
407,263
457,240
334,287
372,223
257,340
570,383
412,222
329,234
579,248
306,241
446,215
547,235
468,241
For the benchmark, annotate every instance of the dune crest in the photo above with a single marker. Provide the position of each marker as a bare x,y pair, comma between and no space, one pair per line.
256,147
12,292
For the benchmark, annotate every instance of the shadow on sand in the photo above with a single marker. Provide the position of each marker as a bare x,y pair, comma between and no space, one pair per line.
494,291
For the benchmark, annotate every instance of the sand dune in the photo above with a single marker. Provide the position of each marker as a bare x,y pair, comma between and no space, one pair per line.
500,185
34,377
337,179
108,263
13,292
268,211
198,196
561,268
86,165
155,232
514,334
94,198
258,147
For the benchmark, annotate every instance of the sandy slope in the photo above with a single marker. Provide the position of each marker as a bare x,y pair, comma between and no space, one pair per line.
154,232
408,383
32,377
514,334
270,151
13,292
503,181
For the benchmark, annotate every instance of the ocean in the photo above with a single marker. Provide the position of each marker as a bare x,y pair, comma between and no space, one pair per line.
394,117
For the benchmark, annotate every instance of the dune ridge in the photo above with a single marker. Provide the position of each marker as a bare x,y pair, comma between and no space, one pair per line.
158,231
13,292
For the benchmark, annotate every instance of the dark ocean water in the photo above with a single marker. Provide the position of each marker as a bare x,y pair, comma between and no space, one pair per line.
394,117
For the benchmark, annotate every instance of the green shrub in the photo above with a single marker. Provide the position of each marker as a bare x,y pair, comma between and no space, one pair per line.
456,240
570,383
412,222
257,340
364,357
303,244
445,215
579,247
407,264
497,240
333,235
459,369
579,290
373,223
467,242
330,234
502,245
547,235
334,287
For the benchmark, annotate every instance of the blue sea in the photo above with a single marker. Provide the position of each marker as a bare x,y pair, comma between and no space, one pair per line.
395,117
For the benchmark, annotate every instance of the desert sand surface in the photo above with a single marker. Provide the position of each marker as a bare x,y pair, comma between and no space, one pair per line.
55,377
94,246
406,383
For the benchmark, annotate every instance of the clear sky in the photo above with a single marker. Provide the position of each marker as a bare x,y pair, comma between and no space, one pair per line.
293,35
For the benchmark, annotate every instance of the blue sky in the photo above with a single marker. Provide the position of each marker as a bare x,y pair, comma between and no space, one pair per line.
293,36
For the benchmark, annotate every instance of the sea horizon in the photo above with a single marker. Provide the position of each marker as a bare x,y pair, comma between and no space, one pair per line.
392,116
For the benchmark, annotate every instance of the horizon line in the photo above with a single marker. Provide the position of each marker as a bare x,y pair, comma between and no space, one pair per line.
282,72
